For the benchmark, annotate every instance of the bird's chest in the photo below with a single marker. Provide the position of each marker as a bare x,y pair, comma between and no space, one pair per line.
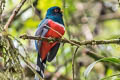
56,30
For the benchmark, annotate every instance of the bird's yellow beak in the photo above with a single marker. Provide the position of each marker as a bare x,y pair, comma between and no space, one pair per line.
61,11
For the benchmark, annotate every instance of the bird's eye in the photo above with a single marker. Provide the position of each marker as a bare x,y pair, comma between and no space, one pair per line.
56,10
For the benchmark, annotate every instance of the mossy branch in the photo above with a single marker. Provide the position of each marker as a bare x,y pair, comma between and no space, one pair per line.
16,10
24,59
72,42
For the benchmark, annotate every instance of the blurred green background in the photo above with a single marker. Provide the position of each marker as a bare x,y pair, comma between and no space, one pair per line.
84,20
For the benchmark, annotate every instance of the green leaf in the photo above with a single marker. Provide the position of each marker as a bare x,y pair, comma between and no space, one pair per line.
90,67
112,60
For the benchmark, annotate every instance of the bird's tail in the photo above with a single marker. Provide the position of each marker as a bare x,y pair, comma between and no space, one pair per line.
40,67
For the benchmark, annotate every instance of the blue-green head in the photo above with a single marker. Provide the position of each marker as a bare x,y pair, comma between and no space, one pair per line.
55,14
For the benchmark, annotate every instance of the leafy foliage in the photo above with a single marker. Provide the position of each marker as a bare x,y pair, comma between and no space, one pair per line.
90,67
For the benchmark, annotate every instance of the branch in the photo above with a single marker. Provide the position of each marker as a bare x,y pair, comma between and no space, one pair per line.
23,11
48,39
93,55
72,42
73,62
16,10
29,65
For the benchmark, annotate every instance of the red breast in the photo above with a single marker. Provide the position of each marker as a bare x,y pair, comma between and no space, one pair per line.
56,30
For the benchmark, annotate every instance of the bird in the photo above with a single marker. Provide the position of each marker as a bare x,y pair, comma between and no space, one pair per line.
51,26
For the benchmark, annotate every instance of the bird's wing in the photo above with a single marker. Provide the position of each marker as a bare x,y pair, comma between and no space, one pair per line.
41,31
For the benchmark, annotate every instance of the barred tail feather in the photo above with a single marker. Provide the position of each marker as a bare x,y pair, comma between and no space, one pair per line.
40,67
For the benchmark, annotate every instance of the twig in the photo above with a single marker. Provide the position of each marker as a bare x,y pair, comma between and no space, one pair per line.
93,55
72,42
16,10
66,23
73,61
48,39
21,12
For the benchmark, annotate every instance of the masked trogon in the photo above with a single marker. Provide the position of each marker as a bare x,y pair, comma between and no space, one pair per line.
51,26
